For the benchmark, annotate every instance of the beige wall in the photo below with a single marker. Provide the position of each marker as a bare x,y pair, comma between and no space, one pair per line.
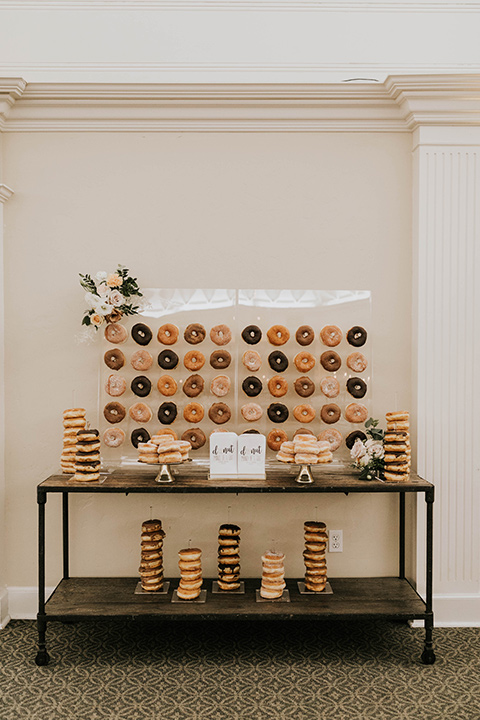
321,210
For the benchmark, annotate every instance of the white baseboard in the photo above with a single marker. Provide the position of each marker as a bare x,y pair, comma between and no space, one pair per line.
23,602
4,616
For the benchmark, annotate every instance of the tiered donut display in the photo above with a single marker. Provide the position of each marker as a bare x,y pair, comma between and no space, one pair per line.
275,369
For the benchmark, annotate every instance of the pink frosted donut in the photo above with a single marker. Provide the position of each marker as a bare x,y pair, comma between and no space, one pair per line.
252,360
330,387
113,437
115,385
140,412
331,335
251,412
220,385
356,413
357,362
332,436
115,333
141,360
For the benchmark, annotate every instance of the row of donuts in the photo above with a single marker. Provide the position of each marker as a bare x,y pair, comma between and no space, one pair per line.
195,333
194,360
220,413
252,386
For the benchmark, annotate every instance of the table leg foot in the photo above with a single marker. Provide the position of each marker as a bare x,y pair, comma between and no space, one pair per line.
42,658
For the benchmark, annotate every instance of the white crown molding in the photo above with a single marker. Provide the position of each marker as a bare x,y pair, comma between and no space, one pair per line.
360,6
402,103
5,193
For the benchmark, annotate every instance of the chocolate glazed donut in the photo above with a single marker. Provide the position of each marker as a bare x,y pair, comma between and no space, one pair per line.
356,387
278,361
140,435
350,439
168,359
357,336
277,412
141,333
330,360
252,334
252,386
141,386
195,437
167,412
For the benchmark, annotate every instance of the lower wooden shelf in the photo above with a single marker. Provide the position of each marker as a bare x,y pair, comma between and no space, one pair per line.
352,597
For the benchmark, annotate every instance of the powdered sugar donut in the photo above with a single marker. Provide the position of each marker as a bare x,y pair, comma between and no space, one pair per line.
113,437
330,387
115,385
357,362
252,360
115,333
220,385
140,412
251,412
331,335
141,360
332,436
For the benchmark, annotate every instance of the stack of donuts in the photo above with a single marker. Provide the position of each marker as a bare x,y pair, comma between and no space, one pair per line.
273,576
305,450
314,555
396,445
87,458
190,564
73,420
151,562
228,557
163,449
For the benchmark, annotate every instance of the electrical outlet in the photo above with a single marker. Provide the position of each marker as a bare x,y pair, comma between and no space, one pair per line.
335,541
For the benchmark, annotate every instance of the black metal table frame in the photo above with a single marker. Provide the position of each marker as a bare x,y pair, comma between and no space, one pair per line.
42,657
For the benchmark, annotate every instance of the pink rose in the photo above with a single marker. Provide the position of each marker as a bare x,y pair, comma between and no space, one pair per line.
116,298
114,280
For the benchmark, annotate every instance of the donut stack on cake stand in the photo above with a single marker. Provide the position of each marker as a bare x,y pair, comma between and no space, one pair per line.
305,450
314,557
272,588
397,449
228,561
164,450
151,562
190,585
73,421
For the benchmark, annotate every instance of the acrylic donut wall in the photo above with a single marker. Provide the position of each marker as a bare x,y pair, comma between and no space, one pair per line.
196,361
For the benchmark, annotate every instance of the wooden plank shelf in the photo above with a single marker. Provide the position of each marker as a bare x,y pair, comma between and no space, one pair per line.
352,597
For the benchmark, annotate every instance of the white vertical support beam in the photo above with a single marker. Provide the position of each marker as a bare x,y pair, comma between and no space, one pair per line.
447,280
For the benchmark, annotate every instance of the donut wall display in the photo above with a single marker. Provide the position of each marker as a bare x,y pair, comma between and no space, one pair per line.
242,360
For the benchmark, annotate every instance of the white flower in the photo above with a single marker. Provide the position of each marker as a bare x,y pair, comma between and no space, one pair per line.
103,289
103,308
116,298
358,450
363,461
374,448
91,300
101,276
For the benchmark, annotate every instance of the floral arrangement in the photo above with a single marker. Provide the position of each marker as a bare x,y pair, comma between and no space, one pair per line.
110,296
367,455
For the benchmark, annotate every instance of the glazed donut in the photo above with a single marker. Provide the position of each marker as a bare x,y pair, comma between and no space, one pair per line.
140,412
304,361
252,386
193,386
167,412
356,387
194,334
277,412
278,386
330,387
167,334
195,437
141,360
400,416
332,436
252,334
251,412
304,413
220,359
252,360
140,435
141,333
275,438
305,335
357,362
168,359
115,385
331,335
166,385
304,386
356,434
330,413
330,360
219,413
356,413
115,333
303,431
193,412
220,385
114,359
113,437
141,386
278,361
357,336
165,431
278,335
220,334
194,360
114,412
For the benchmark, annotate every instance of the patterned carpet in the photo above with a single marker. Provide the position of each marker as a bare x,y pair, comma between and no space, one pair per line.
125,670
